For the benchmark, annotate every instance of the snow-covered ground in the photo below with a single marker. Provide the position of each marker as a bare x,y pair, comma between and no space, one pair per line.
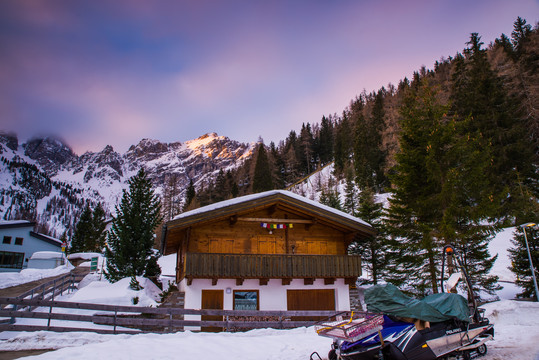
9,279
515,322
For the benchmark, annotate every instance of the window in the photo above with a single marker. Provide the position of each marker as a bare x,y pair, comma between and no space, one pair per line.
246,300
12,260
7,240
18,241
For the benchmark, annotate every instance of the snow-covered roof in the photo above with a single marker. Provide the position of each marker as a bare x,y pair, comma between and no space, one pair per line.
49,239
11,222
252,197
15,223
40,255
85,255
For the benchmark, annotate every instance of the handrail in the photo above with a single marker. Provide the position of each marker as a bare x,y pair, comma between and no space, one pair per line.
271,266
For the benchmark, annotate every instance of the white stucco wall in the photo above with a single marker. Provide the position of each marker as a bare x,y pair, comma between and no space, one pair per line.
272,296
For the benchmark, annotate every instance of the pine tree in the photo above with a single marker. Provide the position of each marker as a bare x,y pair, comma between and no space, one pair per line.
98,227
190,195
520,263
343,144
520,35
373,250
131,238
479,95
221,190
89,235
262,176
440,195
330,195
350,194
83,232
306,149
326,141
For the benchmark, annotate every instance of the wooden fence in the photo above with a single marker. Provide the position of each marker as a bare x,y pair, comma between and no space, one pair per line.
145,319
50,289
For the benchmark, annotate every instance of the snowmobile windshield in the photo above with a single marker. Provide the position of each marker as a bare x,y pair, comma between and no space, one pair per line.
388,299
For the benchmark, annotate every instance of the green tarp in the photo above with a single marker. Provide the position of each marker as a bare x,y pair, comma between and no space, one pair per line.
388,299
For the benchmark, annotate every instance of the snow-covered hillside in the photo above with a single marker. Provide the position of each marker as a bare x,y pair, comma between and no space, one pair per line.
43,178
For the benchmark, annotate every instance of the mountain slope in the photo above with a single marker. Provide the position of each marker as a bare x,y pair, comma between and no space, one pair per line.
44,180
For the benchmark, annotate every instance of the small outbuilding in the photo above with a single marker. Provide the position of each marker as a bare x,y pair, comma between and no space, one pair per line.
46,260
19,242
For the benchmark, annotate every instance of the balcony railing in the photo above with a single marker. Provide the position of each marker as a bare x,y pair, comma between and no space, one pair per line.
202,265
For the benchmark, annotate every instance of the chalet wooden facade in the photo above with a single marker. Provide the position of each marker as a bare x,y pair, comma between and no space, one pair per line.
269,251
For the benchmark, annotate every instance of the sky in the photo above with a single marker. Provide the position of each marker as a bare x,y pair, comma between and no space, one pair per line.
113,72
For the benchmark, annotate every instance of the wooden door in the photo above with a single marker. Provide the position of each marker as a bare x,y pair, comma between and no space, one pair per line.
319,299
266,245
212,299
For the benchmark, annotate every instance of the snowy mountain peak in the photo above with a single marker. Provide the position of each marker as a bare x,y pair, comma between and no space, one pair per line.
49,152
204,140
9,140
67,181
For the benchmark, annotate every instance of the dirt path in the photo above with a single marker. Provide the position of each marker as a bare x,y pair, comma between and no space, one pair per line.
10,355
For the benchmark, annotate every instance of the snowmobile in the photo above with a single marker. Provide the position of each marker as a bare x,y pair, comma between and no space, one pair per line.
397,327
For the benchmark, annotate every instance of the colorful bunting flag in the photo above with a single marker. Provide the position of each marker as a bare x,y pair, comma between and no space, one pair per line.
276,226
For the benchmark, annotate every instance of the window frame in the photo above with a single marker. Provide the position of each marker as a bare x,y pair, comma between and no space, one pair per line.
7,240
19,240
14,256
245,291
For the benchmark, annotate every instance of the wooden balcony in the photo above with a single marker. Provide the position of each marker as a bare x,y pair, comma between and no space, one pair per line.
241,266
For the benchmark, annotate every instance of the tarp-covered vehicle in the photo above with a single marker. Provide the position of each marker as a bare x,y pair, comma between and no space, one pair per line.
397,327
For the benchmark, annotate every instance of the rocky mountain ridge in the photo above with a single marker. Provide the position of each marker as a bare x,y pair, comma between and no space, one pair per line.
101,176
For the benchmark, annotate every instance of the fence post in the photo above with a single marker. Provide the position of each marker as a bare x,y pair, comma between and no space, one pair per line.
50,311
115,312
170,320
281,322
226,325
53,288
12,321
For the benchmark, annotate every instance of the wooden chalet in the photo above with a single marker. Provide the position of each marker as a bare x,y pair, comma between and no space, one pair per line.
269,251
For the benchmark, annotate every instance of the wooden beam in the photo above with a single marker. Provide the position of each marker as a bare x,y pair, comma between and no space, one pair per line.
308,225
263,281
284,221
329,281
189,280
350,281
214,281
233,220
286,281
308,281
239,281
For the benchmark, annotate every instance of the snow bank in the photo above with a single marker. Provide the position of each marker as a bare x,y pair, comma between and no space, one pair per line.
118,293
28,275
